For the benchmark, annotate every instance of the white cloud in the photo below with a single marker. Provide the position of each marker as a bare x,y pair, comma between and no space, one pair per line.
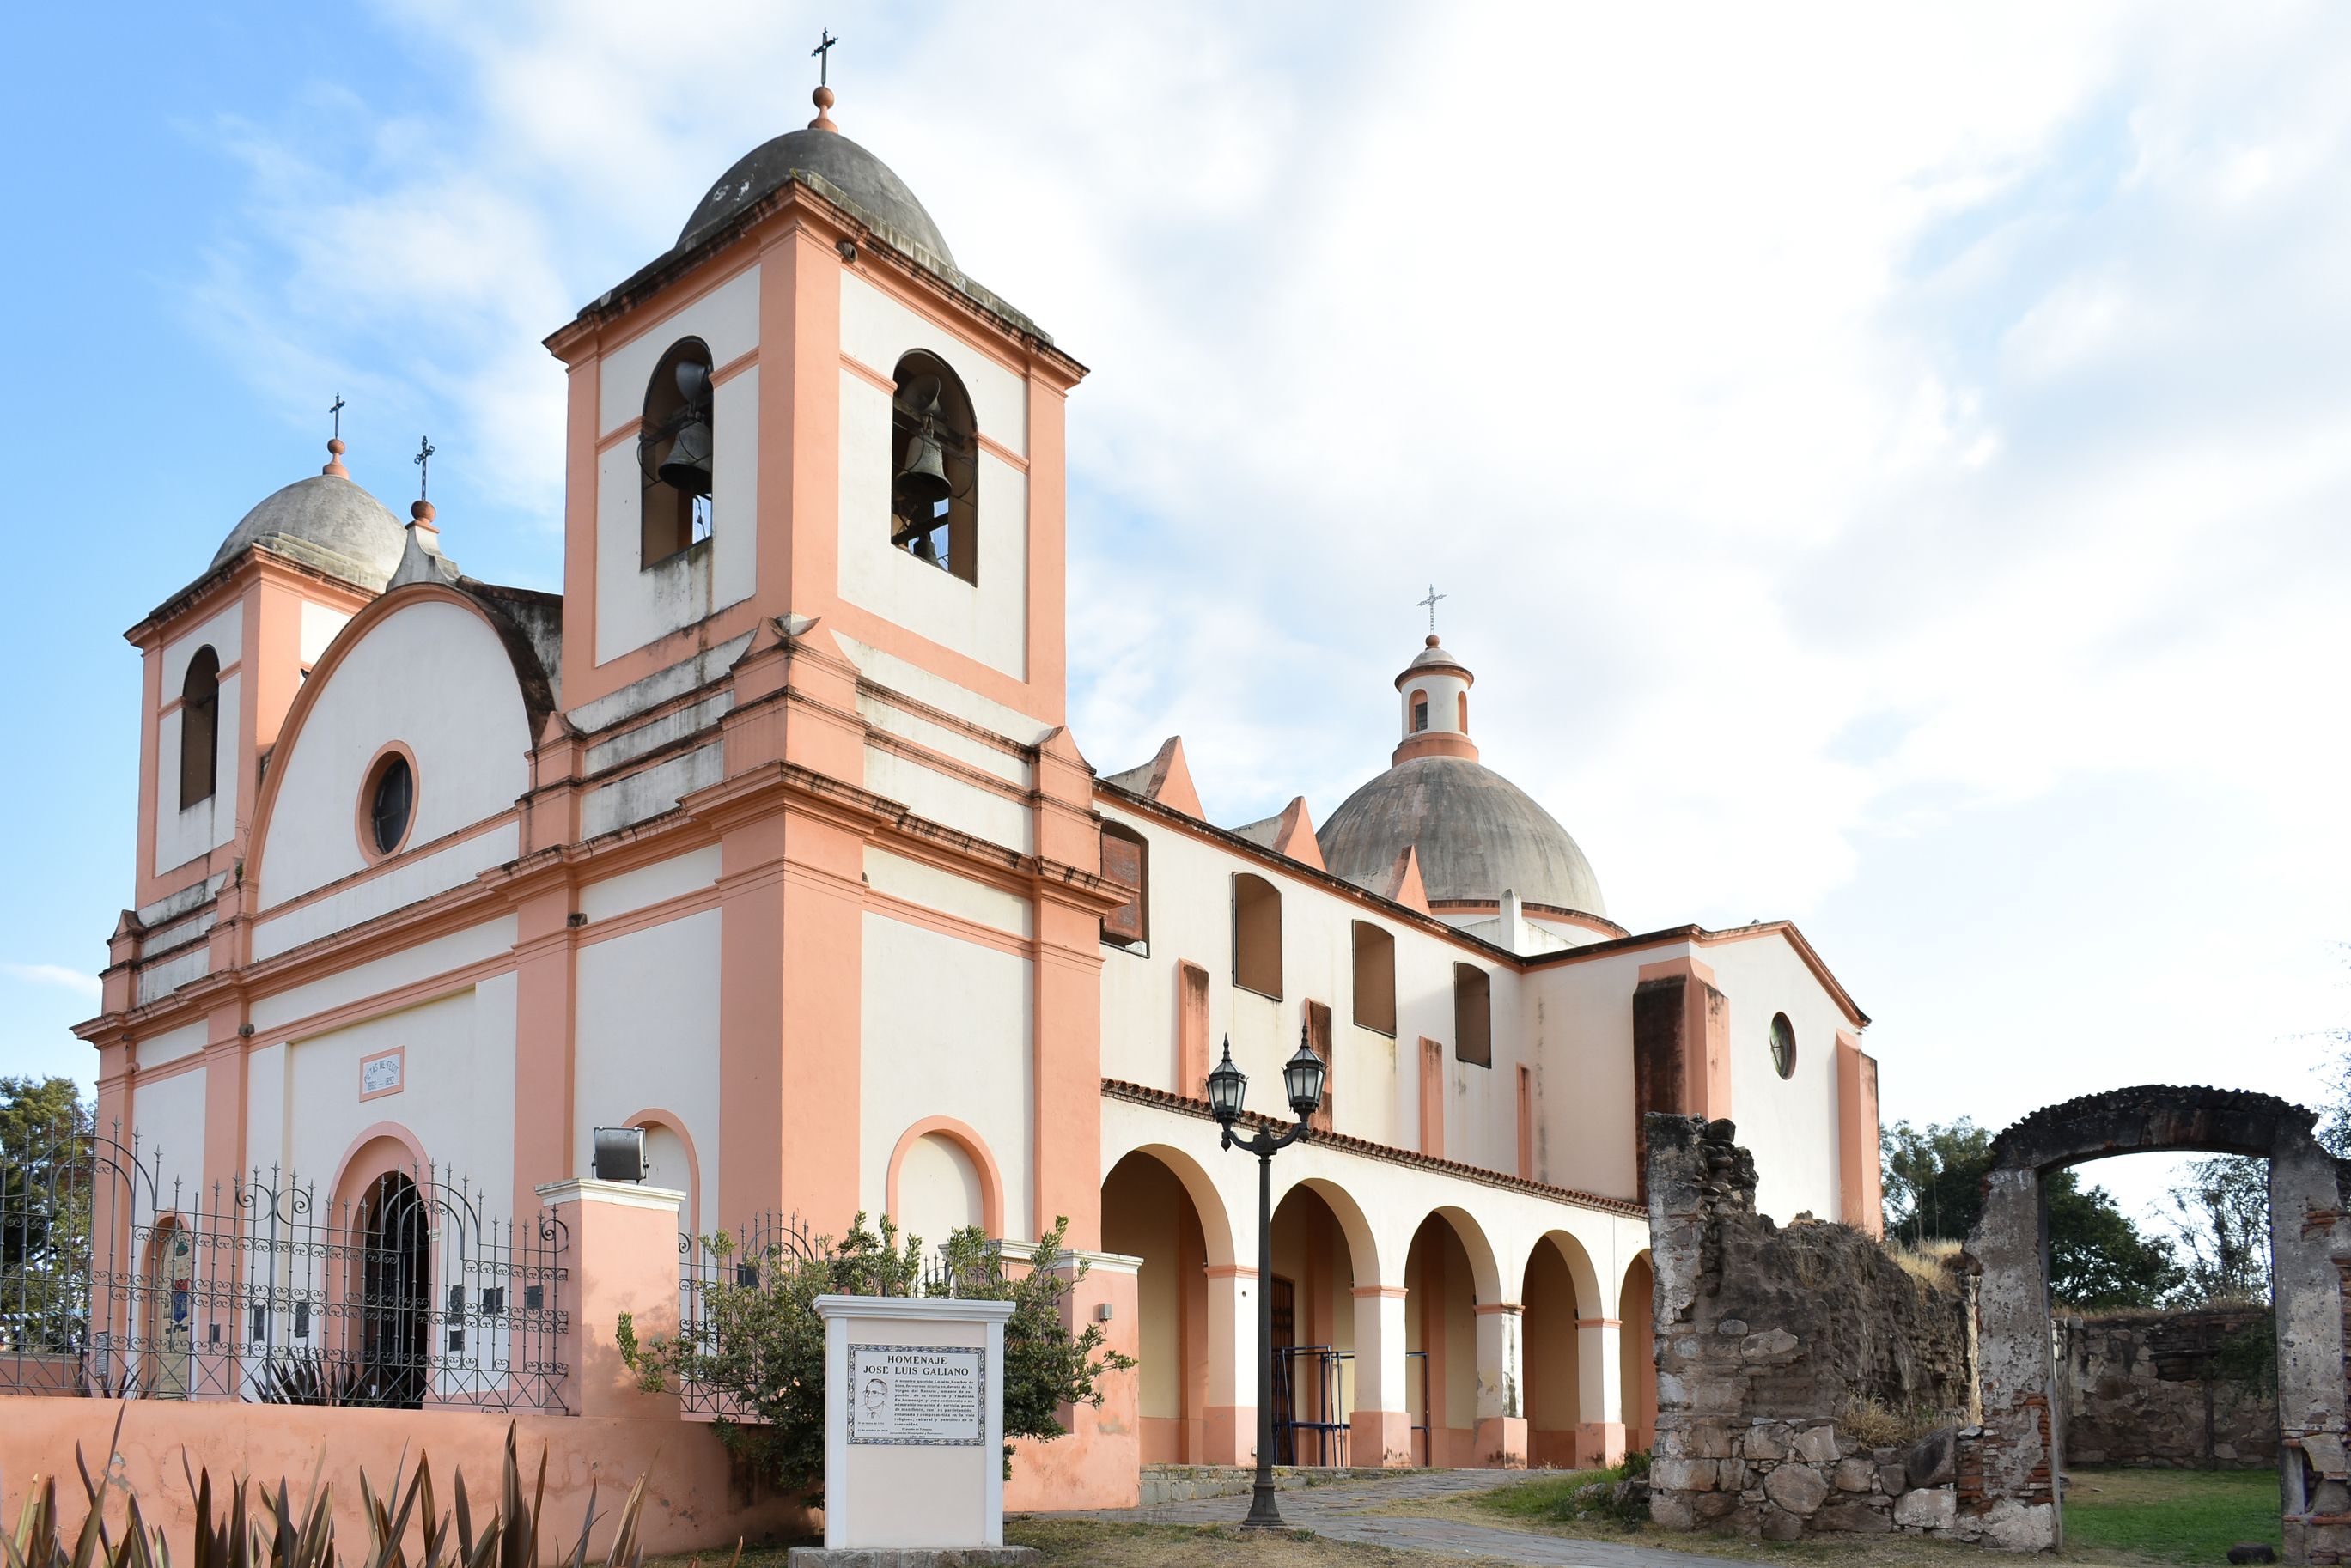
52,974
1831,427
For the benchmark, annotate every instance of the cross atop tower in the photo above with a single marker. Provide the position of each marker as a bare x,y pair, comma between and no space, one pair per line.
424,462
1429,604
824,53
337,409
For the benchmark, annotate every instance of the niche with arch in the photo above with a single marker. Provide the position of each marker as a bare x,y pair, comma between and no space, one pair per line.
933,466
675,453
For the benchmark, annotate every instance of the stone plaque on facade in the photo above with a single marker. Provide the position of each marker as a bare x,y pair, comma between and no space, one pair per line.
918,1395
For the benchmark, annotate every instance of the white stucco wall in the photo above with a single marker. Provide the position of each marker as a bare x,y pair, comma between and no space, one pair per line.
1581,1017
1376,1086
168,1115
943,797
646,1020
1790,1123
434,676
457,1094
971,1061
318,628
636,604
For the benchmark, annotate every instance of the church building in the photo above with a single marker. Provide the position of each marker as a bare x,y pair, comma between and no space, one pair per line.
769,836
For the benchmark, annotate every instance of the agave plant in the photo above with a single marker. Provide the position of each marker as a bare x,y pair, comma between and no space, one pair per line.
313,1379
232,1532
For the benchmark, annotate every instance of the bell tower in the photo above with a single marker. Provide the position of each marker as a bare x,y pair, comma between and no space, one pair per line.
805,409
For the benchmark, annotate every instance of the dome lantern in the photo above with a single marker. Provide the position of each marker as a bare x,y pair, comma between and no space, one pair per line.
1435,690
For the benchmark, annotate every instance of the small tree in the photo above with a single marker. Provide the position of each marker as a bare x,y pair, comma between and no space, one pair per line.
45,1214
2222,1211
762,1343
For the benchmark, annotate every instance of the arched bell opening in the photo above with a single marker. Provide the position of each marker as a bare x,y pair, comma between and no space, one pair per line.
933,466
675,451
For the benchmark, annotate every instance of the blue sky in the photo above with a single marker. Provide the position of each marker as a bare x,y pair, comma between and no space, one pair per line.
1889,470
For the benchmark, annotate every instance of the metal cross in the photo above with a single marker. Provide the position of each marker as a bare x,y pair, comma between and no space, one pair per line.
423,460
824,53
338,411
1429,604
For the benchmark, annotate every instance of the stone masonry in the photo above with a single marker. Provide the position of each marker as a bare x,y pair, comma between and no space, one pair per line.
1787,1358
2155,1389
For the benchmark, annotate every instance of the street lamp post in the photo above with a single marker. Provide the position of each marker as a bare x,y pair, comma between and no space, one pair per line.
1302,1079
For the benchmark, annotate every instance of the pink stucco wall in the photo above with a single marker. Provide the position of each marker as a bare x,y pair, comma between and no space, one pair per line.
693,1500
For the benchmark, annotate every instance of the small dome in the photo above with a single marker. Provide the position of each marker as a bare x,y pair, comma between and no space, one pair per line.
326,522
1478,835
862,182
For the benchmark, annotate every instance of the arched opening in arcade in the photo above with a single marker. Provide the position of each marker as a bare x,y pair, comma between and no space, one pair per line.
1315,1271
1563,1408
1441,1343
1148,1212
1636,1376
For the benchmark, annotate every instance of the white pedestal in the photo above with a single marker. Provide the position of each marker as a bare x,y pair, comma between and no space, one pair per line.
913,1425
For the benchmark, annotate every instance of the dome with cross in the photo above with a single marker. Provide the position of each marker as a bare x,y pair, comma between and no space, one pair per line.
1474,834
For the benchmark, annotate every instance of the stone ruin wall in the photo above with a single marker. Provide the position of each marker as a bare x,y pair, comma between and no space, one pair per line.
2140,1388
1782,1352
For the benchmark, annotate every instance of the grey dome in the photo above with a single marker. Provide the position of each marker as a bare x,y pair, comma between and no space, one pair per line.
328,523
855,177
1478,834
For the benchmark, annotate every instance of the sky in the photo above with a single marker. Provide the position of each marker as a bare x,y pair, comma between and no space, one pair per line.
1886,466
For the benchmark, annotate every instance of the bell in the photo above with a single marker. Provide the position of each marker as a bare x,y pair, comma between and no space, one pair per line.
687,466
922,480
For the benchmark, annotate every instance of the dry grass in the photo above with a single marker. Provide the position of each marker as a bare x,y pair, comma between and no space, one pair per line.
1872,1425
1928,1261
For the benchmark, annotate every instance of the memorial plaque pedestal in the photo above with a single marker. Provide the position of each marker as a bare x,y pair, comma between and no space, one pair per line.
914,1434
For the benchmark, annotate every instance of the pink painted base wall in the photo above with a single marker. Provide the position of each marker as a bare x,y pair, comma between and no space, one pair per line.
692,1500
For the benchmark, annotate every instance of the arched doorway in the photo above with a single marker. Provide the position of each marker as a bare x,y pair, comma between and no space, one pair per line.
392,1291
1148,1212
1561,1300
1315,1271
1637,1355
2007,1460
171,1294
1441,1335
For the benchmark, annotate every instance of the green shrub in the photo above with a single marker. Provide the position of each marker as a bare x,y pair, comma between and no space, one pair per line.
764,1347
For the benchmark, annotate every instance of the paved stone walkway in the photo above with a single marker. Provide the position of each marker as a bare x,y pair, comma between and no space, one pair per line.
1353,1510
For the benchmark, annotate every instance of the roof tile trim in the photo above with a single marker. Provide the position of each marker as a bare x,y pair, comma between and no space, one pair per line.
1140,1094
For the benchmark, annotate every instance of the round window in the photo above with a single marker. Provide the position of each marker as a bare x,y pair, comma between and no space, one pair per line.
391,799
1784,1045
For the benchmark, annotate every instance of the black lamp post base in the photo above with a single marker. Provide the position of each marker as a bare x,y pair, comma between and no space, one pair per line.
1263,1513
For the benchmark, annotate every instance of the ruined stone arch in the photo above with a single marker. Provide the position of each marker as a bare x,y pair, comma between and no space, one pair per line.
2007,1462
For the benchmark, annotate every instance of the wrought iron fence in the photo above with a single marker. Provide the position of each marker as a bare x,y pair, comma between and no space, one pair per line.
116,1283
